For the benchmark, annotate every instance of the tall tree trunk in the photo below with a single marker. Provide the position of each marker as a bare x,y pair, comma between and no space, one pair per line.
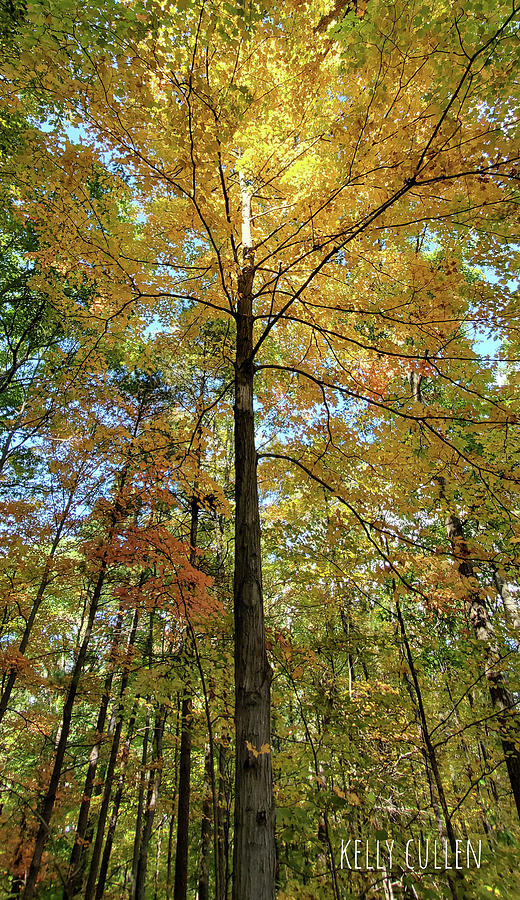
180,887
222,819
183,810
254,847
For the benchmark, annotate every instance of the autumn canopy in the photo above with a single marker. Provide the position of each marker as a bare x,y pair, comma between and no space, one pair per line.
259,474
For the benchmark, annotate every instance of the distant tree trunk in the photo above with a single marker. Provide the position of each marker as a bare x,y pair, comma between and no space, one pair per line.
205,830
254,858
154,784
501,698
169,857
180,887
222,818
110,773
183,811
18,879
77,855
173,806
45,579
49,800
455,881
158,860
143,782
103,870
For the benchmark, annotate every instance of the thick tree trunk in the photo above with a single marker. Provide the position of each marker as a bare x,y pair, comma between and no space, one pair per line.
254,845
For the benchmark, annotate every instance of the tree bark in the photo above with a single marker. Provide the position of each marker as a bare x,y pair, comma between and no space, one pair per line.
183,810
254,847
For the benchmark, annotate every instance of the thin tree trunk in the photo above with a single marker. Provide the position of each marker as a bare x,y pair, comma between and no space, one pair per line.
143,781
169,857
49,800
46,577
183,811
205,831
77,855
103,870
18,878
456,883
110,773
158,861
222,818
501,698
254,858
180,887
154,785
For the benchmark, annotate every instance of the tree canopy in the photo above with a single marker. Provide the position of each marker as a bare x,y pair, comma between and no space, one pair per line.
259,449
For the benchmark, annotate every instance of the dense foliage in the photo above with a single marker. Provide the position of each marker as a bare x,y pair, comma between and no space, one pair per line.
307,211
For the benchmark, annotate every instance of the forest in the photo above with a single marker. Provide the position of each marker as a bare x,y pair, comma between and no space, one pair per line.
259,437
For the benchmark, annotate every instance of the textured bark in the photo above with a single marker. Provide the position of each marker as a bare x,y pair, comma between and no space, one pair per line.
254,847
510,605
